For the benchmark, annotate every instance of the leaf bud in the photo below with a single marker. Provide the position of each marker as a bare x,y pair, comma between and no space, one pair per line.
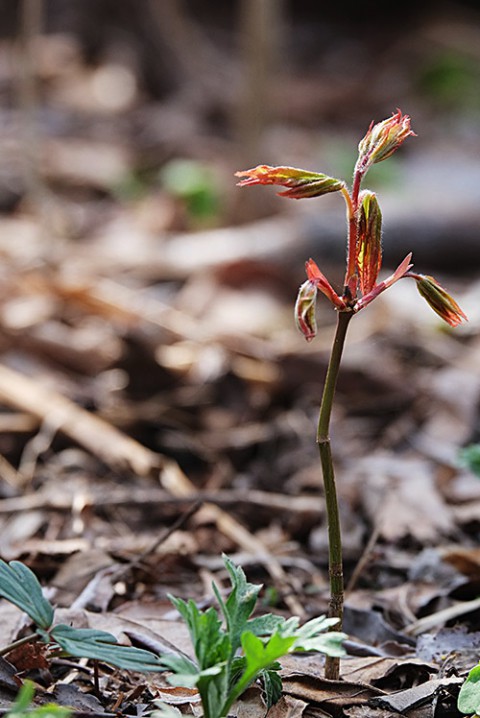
369,243
300,183
382,140
305,310
439,300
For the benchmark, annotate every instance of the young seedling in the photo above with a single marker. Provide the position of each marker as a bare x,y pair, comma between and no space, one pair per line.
233,653
20,586
361,287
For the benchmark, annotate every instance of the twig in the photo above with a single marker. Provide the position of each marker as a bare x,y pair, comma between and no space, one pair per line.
180,485
181,521
364,558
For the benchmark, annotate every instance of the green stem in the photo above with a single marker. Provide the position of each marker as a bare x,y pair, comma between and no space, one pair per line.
332,665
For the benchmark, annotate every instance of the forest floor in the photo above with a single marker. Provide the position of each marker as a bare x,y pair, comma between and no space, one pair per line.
158,409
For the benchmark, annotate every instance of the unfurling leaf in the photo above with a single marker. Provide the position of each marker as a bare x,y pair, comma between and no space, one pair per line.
305,310
369,243
439,300
382,140
300,183
240,603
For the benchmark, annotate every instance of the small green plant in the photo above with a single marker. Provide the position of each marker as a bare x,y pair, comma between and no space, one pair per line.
233,650
22,707
361,287
468,701
20,586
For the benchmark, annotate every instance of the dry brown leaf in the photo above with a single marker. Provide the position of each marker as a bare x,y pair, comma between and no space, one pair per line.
400,497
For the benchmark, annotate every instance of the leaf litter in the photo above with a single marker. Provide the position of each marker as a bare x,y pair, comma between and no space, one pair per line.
151,379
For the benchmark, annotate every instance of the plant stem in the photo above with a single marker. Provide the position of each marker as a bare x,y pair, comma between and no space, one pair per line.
332,665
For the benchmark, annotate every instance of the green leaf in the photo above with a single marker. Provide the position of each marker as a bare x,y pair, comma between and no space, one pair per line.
272,685
469,697
179,664
102,646
23,699
315,636
22,707
240,603
260,655
20,586
210,642
194,679
265,625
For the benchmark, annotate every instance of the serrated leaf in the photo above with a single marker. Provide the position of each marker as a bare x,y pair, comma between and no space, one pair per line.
210,642
329,643
103,646
260,655
265,625
240,603
20,586
468,701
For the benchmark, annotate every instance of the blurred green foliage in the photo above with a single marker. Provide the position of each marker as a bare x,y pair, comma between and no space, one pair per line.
194,184
470,457
451,79
22,707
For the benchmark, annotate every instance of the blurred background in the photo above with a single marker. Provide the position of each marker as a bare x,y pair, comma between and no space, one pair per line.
152,105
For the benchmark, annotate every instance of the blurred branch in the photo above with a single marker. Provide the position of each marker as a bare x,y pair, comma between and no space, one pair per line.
30,22
49,215
261,25
197,62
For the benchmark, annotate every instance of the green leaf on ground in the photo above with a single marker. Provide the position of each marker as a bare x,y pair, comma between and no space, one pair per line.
20,586
103,646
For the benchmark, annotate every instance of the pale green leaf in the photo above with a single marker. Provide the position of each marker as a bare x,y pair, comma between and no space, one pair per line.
469,697
103,646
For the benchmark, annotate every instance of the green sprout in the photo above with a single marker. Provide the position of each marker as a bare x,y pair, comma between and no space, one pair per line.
233,649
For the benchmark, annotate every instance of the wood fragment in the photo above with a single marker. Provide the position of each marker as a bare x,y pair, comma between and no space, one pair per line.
105,441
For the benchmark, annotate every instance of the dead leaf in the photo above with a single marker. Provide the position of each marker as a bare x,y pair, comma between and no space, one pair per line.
404,701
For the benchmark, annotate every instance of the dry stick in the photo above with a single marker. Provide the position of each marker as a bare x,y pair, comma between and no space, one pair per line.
31,13
133,496
180,521
113,447
364,558
335,569
119,451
